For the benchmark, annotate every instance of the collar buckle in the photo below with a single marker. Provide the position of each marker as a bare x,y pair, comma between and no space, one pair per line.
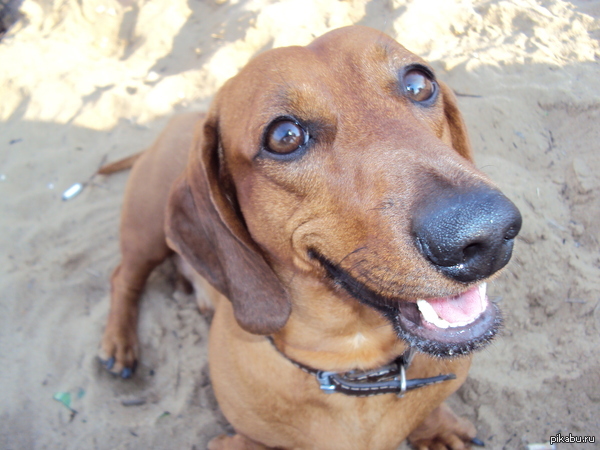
402,382
325,382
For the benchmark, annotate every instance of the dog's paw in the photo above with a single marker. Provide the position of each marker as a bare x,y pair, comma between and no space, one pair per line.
443,430
118,351
235,442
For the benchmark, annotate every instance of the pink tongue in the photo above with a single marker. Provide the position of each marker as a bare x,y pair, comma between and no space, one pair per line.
463,308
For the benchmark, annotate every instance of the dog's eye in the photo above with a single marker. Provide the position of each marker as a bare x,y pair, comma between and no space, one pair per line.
419,86
284,137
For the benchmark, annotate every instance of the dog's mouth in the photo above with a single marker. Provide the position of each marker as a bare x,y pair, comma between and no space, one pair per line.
443,327
449,326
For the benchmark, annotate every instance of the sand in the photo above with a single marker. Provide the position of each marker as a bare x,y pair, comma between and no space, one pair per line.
80,81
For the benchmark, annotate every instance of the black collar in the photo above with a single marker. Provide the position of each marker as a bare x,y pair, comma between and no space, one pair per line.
389,379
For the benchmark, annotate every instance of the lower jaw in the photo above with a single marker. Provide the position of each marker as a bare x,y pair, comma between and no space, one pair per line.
448,342
409,323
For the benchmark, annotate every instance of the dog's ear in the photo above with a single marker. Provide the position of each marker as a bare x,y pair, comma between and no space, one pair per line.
204,227
458,129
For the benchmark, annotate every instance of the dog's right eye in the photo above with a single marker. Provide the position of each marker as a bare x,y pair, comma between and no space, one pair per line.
284,137
419,85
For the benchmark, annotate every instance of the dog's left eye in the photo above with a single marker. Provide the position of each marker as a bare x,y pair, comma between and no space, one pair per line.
419,86
284,137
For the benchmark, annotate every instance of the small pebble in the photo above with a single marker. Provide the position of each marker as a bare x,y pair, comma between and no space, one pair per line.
546,446
133,402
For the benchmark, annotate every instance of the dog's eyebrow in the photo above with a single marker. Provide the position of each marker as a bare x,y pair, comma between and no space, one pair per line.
306,102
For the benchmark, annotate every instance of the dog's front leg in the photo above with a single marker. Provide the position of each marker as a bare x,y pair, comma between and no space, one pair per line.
235,442
443,429
119,346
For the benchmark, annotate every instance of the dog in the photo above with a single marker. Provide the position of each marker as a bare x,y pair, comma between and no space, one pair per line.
329,205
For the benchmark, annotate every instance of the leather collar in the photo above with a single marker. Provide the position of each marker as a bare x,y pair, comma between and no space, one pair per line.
388,379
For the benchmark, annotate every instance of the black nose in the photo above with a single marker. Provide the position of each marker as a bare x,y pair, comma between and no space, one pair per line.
467,235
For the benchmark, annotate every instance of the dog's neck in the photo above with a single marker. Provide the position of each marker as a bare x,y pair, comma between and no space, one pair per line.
333,331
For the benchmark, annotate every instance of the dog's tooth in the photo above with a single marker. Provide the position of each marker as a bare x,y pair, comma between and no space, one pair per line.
482,294
482,290
430,315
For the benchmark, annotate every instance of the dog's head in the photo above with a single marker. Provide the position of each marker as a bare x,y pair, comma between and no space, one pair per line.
346,161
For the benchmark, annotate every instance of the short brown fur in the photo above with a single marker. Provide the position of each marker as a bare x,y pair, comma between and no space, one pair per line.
248,223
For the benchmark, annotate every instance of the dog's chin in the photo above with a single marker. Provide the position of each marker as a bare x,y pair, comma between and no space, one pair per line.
444,327
443,339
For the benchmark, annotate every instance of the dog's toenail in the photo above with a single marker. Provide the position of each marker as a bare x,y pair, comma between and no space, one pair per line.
477,442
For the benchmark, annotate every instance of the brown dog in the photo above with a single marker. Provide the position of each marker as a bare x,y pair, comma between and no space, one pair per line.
330,197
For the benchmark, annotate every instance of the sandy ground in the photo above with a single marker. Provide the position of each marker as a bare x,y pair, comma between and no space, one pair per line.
81,80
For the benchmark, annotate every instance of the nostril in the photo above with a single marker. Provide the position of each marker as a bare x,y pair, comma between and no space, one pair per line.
472,250
512,232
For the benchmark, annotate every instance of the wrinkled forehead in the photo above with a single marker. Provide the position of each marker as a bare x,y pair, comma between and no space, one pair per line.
354,64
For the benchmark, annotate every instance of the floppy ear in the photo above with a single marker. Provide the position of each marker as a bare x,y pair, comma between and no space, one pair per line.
458,129
203,226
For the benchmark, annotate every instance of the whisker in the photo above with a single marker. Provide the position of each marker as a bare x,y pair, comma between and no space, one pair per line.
352,253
